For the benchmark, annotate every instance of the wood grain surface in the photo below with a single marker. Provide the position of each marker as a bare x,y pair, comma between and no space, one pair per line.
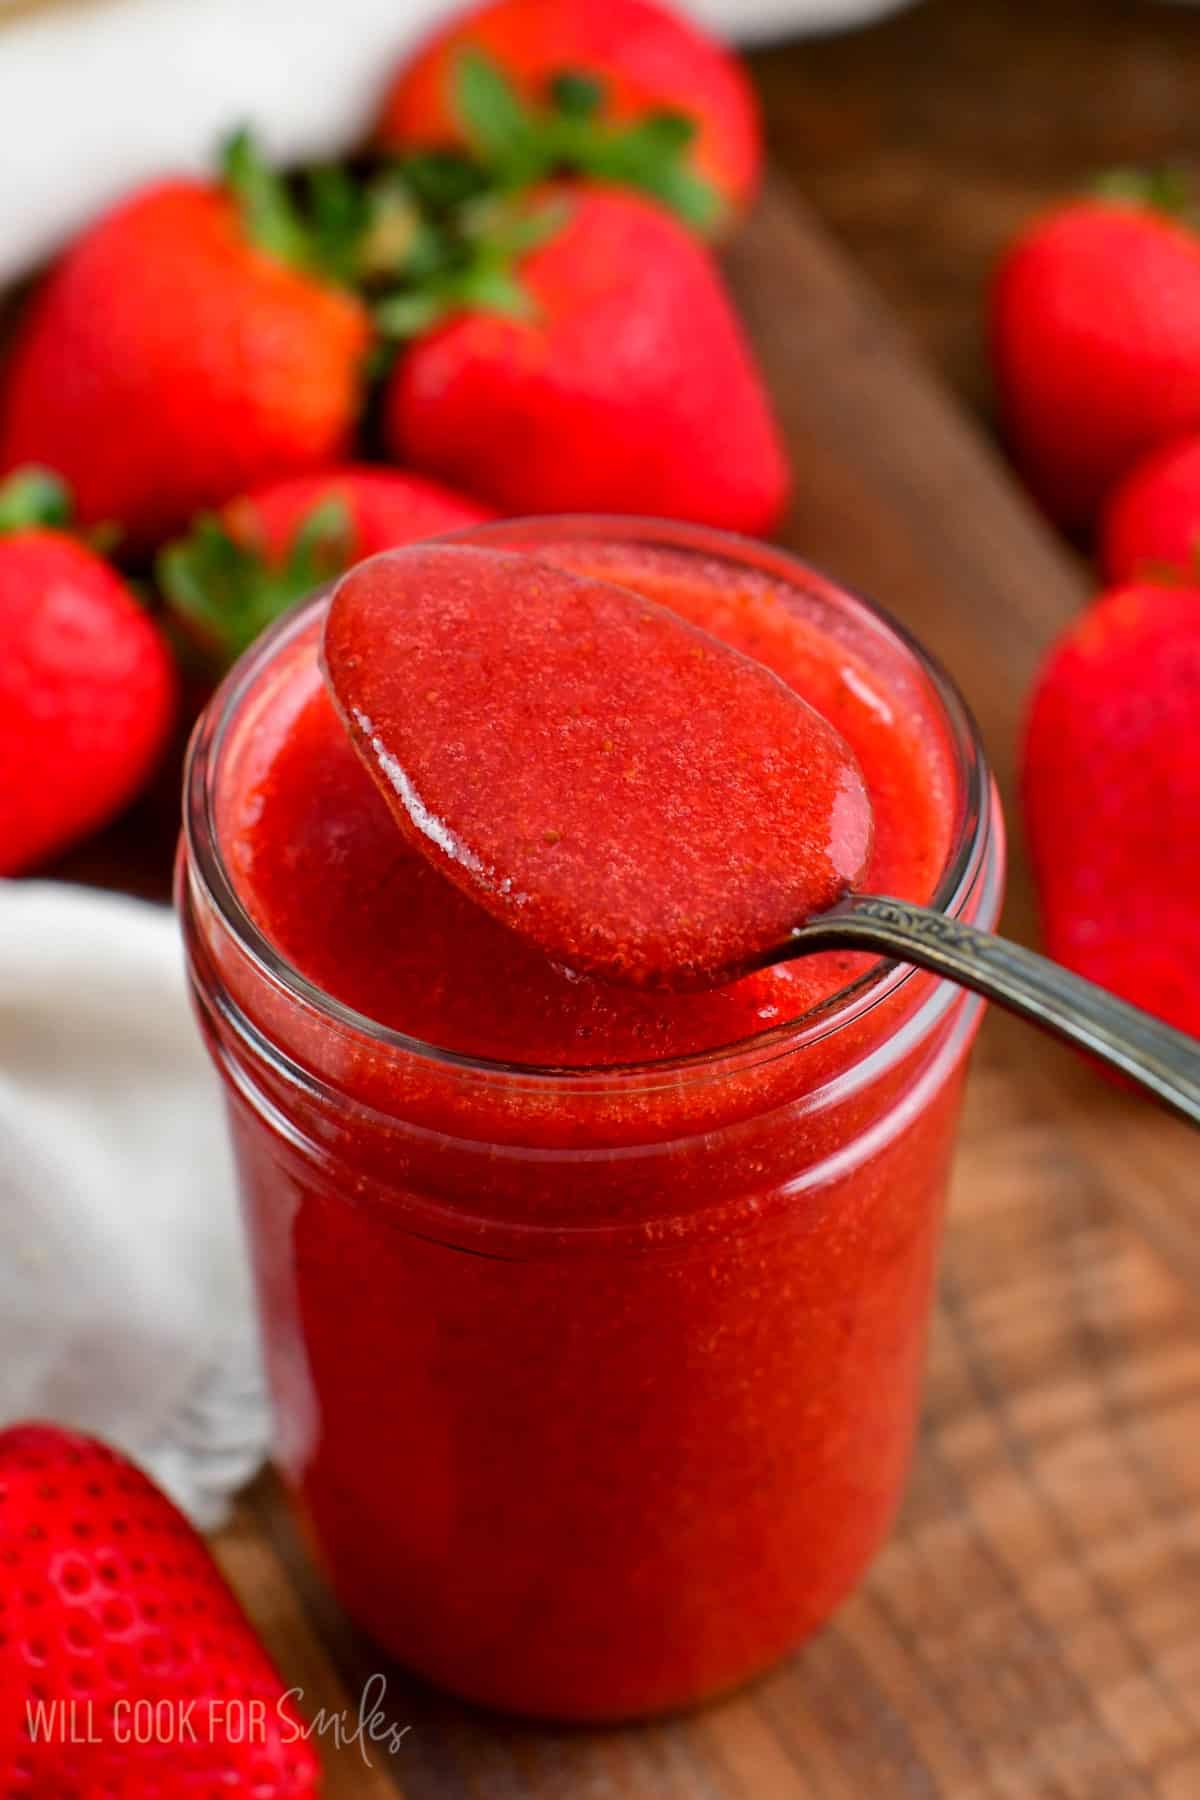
926,141
1033,1628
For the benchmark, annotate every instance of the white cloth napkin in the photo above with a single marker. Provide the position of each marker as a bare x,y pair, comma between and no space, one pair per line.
95,99
125,1303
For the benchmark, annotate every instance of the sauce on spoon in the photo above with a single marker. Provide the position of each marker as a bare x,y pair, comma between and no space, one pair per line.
638,799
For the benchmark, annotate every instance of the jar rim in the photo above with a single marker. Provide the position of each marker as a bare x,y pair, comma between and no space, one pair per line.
970,838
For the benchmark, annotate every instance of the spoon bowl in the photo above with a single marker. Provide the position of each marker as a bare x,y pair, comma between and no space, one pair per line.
647,804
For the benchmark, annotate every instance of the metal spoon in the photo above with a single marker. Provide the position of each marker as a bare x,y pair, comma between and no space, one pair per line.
1154,1055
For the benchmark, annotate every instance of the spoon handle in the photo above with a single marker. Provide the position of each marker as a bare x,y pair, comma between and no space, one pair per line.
1154,1055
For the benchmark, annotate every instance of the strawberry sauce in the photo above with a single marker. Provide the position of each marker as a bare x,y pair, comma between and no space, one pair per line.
594,1313
620,788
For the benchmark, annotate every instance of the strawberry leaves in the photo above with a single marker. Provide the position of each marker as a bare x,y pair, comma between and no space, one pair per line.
222,586
578,96
36,499
651,156
501,129
462,252
439,232
320,223
519,144
1166,189
269,215
32,497
420,238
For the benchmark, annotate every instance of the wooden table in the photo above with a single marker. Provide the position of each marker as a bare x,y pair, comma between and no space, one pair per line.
1032,1631
925,141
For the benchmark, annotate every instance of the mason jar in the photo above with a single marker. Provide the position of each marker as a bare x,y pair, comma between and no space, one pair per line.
595,1385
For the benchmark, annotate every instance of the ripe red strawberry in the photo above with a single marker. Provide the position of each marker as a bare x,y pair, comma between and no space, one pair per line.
627,386
181,351
1095,329
1112,798
567,84
117,1626
239,569
1151,524
87,687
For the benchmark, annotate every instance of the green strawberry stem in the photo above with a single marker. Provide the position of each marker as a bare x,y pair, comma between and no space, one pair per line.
224,589
520,144
33,497
320,225
421,238
1167,189
468,259
577,95
269,217
437,232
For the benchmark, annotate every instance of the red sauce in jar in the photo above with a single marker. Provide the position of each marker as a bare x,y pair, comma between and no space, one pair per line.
597,1388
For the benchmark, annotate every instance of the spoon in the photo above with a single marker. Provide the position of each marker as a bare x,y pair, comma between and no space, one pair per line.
647,804
643,802
1158,1058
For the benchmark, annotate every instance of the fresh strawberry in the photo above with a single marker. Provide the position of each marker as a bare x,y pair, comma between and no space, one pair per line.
127,1668
628,91
373,509
626,386
1112,798
87,687
1151,525
239,569
186,347
1095,330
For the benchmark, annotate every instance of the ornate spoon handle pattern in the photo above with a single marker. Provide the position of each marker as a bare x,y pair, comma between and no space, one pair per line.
1154,1055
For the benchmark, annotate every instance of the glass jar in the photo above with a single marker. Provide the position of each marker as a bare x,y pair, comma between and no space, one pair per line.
596,1387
